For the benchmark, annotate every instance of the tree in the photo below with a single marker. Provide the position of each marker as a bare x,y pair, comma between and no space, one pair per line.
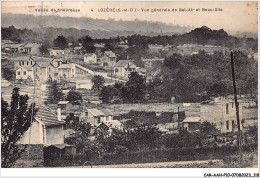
8,74
88,44
60,42
107,93
54,93
15,121
80,138
74,97
135,88
44,47
98,82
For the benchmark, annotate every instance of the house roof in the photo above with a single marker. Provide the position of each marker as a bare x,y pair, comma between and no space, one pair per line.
122,63
89,54
95,112
106,112
191,119
20,58
28,68
63,102
114,124
30,45
14,45
109,53
45,116
60,146
66,66
7,41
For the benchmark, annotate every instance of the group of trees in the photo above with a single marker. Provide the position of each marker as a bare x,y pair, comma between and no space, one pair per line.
134,90
54,94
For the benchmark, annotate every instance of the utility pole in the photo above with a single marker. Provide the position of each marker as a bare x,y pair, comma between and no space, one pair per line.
239,140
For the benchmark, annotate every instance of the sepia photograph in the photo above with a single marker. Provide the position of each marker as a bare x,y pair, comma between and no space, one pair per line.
130,85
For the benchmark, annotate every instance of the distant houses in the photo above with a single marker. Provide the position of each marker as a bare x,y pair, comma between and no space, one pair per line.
24,72
56,52
29,48
108,59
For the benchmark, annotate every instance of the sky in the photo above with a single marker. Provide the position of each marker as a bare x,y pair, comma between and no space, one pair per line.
235,16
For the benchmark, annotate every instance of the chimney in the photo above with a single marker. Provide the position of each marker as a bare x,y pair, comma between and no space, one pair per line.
59,113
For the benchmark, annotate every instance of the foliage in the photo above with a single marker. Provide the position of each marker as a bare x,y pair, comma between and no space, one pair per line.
88,45
15,121
134,89
80,139
60,42
8,74
98,82
74,97
44,47
107,93
54,93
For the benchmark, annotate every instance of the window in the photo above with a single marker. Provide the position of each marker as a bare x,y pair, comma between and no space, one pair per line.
86,113
49,69
232,104
233,125
24,73
98,120
18,73
27,63
116,70
227,125
31,62
22,62
227,108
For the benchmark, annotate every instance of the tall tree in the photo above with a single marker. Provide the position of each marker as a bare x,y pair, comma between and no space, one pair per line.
88,44
98,82
15,121
135,88
54,93
74,97
60,42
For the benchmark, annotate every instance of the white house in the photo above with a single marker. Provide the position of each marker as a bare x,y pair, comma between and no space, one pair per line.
46,129
223,114
32,48
67,70
90,58
108,59
56,52
24,72
123,68
97,116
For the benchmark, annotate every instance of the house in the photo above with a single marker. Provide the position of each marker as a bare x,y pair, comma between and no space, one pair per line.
32,48
24,72
65,105
56,52
58,61
191,123
97,116
22,61
223,114
123,68
108,59
90,58
68,71
44,69
13,48
46,129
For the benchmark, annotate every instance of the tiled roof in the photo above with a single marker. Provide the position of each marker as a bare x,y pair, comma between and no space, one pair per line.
122,63
30,45
110,54
63,102
106,112
95,112
191,119
28,68
48,118
20,58
89,54
66,66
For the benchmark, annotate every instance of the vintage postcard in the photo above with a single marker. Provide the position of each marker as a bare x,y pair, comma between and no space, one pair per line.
130,85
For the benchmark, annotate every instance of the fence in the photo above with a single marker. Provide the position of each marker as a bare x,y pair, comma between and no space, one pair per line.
160,155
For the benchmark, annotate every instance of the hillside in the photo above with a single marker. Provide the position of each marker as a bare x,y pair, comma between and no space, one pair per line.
100,28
